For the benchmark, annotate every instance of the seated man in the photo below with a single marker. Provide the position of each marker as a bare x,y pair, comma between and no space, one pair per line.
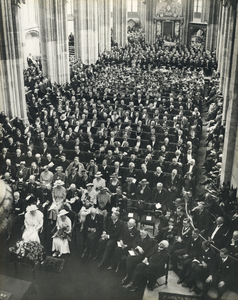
200,267
141,245
128,234
109,237
221,273
152,267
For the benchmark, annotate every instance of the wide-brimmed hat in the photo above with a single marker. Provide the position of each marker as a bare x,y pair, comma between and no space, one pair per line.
129,178
144,181
103,188
58,182
22,162
31,208
62,212
165,243
89,184
98,174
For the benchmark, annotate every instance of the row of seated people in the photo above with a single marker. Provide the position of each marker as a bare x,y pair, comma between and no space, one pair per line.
197,259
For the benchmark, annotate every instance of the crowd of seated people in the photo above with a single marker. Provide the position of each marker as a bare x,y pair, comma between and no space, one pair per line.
121,136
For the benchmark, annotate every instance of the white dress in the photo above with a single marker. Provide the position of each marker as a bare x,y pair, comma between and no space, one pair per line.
62,245
32,225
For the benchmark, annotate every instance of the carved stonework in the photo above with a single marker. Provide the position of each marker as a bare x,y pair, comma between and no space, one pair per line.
168,8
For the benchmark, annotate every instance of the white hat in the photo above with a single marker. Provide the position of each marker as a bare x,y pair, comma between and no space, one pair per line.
62,212
31,208
98,174
58,182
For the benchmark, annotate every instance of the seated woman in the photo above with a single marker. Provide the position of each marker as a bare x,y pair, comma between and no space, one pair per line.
33,223
58,196
60,244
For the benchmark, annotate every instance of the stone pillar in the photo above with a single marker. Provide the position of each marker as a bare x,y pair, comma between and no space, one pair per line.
221,34
212,18
54,40
226,75
120,22
188,8
86,31
224,47
141,13
149,22
104,26
219,29
12,94
230,152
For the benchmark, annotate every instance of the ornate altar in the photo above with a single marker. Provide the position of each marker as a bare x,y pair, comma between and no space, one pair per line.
169,20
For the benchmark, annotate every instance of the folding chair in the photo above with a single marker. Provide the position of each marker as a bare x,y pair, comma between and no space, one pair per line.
148,219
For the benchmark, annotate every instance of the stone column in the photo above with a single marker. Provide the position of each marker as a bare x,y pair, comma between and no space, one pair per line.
12,94
224,47
54,40
86,31
230,152
120,22
104,26
149,21
226,75
219,29
212,18
141,12
188,8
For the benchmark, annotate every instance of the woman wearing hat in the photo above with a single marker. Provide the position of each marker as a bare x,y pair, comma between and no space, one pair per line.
33,223
60,244
58,197
113,183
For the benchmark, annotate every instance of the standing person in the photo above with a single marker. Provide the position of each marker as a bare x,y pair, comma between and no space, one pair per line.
33,224
58,197
60,244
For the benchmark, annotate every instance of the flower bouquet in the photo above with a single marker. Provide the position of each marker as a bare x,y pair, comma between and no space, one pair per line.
33,251
63,233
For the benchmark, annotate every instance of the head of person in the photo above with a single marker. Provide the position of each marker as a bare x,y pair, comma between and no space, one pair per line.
195,233
235,235
143,232
131,223
186,222
163,245
115,216
32,209
220,221
224,253
205,245
159,186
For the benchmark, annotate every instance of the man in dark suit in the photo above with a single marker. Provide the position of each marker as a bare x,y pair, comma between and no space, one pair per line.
189,253
201,218
141,245
160,195
92,231
221,273
108,240
128,234
152,267
219,233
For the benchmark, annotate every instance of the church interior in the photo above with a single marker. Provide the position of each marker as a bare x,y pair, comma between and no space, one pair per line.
119,149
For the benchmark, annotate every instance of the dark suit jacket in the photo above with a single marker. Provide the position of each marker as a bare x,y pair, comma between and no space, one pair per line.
193,248
127,236
97,223
202,220
146,244
157,261
220,237
114,230
224,270
157,197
